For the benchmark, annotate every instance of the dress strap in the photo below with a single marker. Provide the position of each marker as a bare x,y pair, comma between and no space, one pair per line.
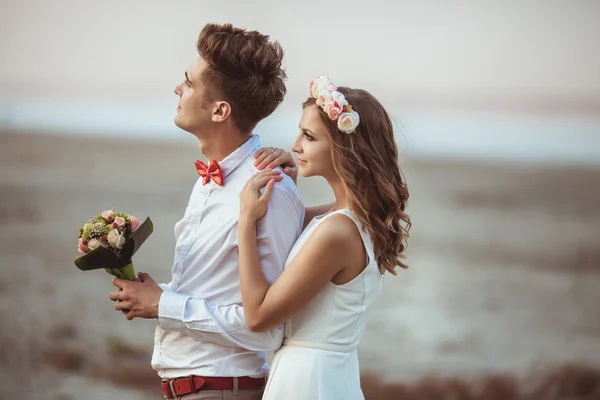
366,238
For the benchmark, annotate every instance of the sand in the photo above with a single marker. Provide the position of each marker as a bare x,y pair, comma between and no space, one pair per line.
504,267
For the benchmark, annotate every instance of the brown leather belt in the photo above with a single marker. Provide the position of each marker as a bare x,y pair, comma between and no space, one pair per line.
190,384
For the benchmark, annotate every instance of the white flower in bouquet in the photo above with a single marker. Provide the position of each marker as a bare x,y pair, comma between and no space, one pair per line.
93,244
116,239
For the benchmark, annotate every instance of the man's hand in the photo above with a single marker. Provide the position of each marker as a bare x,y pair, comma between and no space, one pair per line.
137,299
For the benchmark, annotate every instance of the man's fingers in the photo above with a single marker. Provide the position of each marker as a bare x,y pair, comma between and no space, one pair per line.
144,277
120,283
131,315
116,296
122,305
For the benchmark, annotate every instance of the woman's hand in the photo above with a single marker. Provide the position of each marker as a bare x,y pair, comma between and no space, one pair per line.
253,204
270,157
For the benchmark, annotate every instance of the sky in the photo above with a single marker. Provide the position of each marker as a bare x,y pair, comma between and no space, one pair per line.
460,69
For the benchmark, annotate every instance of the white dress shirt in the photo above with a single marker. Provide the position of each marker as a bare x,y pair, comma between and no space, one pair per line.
201,327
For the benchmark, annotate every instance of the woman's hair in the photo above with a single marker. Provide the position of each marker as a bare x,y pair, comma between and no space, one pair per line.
367,162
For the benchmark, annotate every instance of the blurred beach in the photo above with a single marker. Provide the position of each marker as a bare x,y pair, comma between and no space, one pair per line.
504,272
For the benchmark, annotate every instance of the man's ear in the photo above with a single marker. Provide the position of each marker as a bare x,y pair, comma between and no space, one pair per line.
221,111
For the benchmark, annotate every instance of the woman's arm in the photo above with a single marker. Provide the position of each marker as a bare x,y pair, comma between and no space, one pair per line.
334,245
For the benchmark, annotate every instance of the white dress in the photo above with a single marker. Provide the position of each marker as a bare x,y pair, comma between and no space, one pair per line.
318,359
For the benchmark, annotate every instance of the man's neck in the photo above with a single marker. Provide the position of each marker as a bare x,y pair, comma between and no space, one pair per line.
218,145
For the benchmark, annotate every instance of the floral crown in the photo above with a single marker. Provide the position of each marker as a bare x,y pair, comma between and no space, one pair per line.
334,104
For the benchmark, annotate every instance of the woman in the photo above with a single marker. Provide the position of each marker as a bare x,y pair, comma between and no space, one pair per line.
335,270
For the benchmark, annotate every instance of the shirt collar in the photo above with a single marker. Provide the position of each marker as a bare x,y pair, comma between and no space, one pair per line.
233,160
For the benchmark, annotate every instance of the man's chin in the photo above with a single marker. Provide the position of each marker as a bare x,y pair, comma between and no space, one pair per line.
180,124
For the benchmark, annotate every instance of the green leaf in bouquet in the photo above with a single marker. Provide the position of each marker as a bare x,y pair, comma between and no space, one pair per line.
86,231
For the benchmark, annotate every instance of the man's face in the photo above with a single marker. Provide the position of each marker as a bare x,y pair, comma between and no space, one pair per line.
194,112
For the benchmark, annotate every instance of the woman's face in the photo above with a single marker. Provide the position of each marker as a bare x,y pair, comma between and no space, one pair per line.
313,145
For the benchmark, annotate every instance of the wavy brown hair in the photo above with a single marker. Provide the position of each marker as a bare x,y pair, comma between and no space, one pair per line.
245,69
367,162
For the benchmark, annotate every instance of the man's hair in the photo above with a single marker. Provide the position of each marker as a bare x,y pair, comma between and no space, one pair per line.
244,69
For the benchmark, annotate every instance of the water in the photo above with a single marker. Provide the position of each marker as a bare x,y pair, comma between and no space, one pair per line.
448,134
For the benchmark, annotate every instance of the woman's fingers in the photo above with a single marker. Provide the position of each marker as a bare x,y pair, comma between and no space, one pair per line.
264,156
268,162
264,173
283,159
266,196
261,151
261,180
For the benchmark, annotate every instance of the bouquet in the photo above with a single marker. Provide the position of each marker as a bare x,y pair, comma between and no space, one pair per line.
109,240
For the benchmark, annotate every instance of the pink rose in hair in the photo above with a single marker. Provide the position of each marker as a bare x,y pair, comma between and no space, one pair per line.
135,222
120,222
332,109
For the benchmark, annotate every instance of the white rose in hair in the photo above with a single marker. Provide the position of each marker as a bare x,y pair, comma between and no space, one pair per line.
116,239
348,121
339,98
323,82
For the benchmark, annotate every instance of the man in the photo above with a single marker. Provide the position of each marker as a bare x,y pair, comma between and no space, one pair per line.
203,348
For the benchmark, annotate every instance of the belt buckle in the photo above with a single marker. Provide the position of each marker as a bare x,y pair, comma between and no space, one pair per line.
189,386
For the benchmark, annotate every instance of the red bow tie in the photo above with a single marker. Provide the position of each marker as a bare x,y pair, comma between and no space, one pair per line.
212,171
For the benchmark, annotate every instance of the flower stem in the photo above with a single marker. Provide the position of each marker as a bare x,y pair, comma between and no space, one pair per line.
127,272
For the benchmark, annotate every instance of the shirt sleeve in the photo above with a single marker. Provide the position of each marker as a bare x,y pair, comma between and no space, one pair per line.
277,232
